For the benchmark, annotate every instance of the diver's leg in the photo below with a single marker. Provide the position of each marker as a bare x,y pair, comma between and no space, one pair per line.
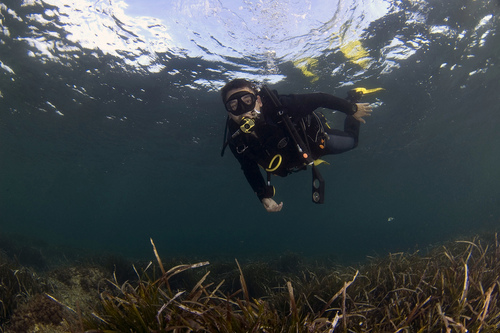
342,141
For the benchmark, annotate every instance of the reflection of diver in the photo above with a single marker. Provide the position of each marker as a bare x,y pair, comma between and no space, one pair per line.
283,134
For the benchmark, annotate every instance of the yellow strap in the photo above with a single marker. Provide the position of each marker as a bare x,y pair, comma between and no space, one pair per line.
270,168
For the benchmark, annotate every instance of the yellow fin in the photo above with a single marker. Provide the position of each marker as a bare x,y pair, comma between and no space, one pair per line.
367,91
318,162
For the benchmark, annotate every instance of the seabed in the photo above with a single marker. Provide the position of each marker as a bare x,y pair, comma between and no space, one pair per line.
450,288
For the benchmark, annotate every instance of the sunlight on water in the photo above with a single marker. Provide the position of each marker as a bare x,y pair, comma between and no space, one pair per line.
267,33
99,26
240,38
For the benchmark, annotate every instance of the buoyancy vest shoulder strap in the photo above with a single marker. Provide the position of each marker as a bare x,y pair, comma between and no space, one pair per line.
302,146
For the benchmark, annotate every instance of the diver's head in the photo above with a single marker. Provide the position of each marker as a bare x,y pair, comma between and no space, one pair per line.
241,100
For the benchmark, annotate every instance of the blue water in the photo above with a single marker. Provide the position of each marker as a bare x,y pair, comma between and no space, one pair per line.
111,124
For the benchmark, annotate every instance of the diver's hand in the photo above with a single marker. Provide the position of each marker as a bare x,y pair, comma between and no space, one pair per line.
271,206
364,110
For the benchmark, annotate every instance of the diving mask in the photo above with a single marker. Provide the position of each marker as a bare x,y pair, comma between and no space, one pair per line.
241,102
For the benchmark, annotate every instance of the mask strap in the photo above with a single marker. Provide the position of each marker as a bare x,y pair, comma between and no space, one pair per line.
225,141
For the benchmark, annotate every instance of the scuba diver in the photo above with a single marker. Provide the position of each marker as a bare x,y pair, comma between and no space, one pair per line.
283,133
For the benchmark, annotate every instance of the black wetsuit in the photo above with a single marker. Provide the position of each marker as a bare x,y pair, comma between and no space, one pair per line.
270,137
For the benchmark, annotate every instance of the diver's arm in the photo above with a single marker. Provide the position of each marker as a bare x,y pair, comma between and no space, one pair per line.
301,105
256,181
254,177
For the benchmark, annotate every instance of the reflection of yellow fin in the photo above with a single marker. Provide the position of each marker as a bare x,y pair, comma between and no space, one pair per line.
356,53
307,65
353,51
365,91
318,162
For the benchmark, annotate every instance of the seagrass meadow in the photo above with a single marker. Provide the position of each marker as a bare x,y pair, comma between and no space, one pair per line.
449,288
